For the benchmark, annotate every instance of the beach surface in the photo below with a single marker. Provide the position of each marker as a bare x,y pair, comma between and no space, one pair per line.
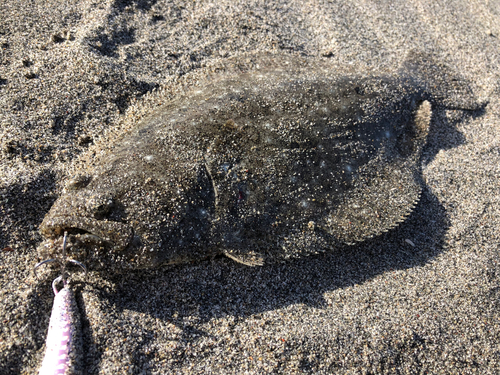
422,298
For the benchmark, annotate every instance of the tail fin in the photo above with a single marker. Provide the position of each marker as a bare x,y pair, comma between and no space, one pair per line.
445,87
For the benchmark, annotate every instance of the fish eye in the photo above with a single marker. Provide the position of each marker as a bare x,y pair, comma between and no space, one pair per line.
101,206
78,182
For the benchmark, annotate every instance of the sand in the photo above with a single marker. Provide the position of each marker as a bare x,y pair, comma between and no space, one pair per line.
423,298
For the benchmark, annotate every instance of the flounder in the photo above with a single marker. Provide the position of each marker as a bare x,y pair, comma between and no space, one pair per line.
282,160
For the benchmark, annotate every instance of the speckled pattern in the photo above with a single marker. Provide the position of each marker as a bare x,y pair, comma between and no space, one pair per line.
278,161
75,76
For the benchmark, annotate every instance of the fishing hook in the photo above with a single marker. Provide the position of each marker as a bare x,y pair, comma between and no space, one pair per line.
61,263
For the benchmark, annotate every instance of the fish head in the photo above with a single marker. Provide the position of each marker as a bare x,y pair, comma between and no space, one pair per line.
135,211
90,217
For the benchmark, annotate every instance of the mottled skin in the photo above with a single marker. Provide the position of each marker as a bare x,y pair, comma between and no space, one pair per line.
263,165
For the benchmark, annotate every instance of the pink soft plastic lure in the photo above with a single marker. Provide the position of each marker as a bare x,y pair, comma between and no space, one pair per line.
61,346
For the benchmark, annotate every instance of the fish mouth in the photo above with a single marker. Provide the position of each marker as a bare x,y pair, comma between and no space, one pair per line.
86,231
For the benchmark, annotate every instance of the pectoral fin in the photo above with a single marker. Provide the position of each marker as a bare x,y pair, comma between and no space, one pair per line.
248,258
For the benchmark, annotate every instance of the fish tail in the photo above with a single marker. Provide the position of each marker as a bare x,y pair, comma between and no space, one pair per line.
446,87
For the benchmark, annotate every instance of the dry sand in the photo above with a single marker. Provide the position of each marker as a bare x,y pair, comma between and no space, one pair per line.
423,298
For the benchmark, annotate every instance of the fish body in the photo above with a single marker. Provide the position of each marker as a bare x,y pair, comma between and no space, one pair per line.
62,346
269,164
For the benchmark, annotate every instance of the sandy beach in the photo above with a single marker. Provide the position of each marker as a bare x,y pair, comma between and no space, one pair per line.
423,298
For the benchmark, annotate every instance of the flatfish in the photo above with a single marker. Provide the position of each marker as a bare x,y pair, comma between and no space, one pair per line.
284,159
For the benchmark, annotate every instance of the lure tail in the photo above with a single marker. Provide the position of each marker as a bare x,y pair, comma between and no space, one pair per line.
62,345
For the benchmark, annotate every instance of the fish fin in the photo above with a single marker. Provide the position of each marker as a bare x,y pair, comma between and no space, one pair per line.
380,201
411,141
446,87
248,258
422,119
